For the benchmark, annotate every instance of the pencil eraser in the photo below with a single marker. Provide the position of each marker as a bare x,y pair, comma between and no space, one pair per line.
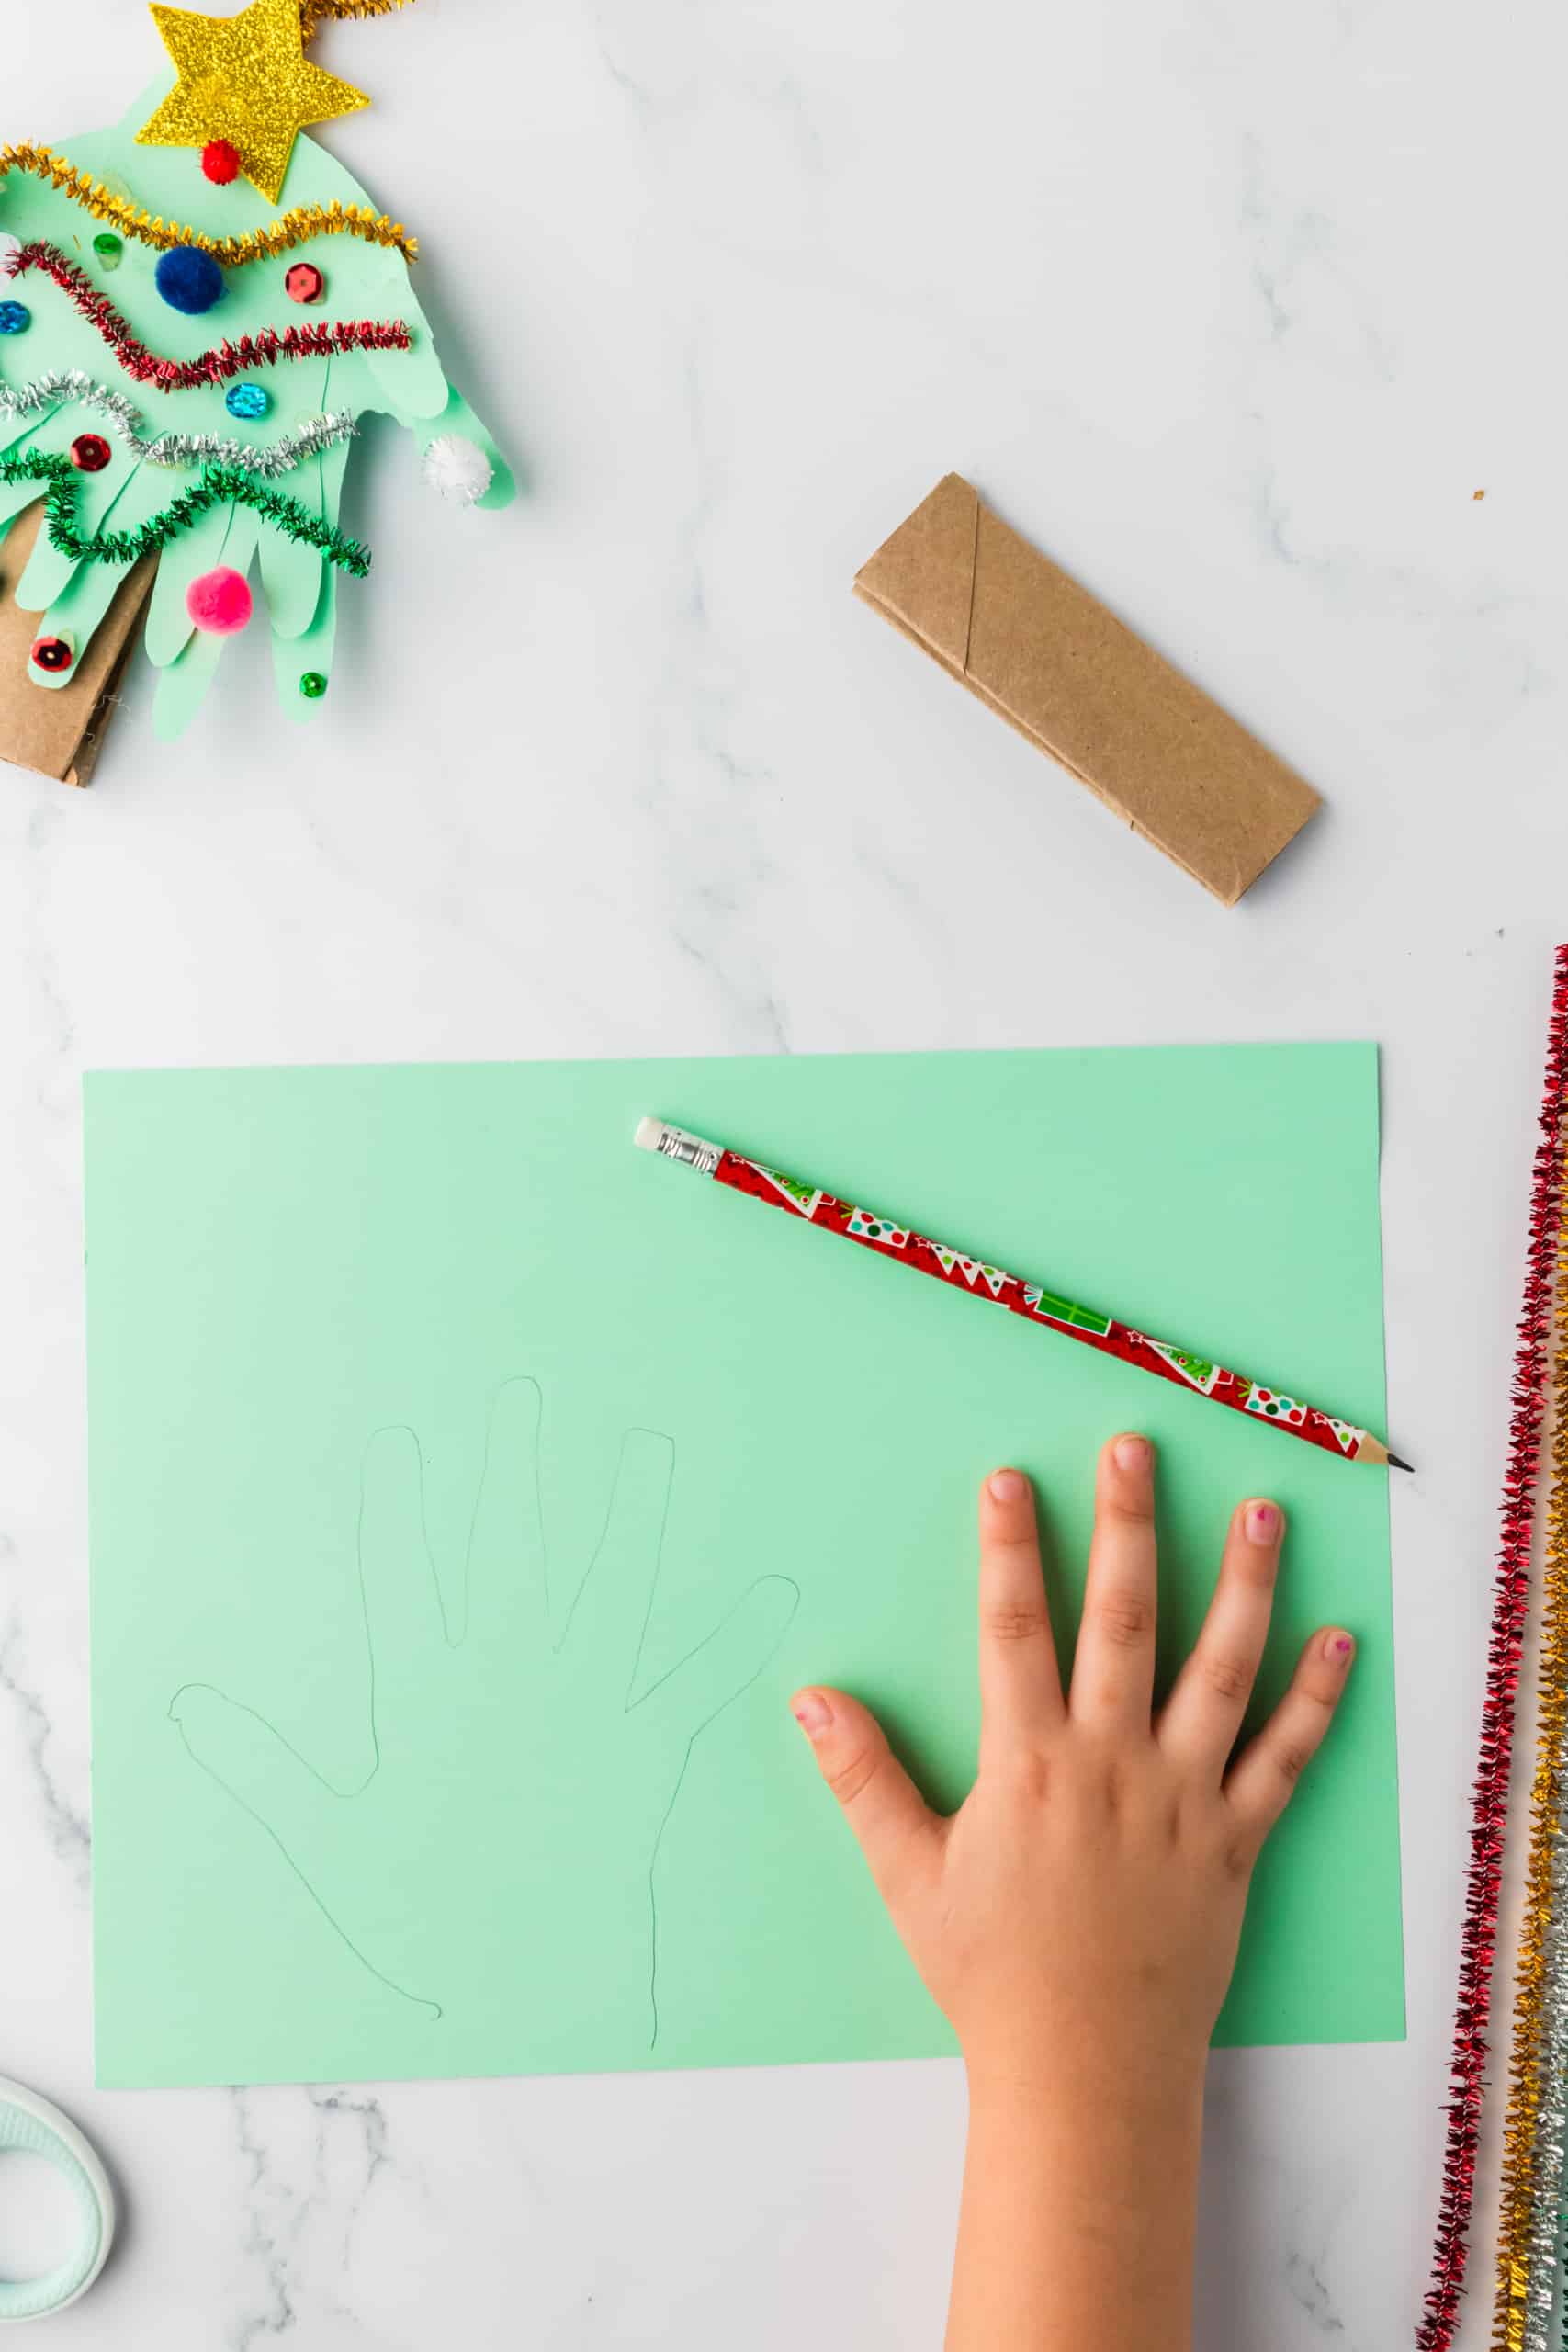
648,1134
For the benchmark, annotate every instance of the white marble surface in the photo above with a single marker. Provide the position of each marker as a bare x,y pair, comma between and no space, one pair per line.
1233,307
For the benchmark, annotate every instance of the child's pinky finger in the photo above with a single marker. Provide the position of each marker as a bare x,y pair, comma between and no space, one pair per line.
1261,1783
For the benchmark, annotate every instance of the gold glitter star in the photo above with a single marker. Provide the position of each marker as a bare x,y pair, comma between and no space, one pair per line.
245,79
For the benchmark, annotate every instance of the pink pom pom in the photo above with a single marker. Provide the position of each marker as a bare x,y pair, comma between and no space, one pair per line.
219,600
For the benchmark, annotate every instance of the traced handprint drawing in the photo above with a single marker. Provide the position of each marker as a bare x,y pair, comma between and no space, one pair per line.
522,1770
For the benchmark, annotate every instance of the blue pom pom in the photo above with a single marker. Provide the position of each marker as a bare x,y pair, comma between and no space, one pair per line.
189,279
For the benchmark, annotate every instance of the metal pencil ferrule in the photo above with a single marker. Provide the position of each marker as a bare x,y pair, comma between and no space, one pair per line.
690,1150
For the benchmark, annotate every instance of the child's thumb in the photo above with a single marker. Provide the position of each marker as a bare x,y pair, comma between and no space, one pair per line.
896,1827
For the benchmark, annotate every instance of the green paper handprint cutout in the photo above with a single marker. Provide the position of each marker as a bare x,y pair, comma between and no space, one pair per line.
93,359
521,1767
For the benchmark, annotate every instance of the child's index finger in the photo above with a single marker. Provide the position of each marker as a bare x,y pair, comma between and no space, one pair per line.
1021,1685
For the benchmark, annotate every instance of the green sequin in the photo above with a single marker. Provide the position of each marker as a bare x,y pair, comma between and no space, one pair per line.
312,685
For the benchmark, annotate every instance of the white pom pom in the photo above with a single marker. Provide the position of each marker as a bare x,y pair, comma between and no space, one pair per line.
458,467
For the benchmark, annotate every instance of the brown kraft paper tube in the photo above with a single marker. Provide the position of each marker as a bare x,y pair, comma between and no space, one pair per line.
1049,658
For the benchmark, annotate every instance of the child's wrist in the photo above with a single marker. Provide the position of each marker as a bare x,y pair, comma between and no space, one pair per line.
1094,2131
1087,2076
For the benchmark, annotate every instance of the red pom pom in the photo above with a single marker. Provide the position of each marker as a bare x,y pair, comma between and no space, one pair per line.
220,161
219,600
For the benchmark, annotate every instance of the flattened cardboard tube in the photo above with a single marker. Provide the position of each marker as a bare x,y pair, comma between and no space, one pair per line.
1048,658
57,730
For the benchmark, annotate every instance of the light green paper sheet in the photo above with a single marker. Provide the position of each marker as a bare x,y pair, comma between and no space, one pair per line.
410,1762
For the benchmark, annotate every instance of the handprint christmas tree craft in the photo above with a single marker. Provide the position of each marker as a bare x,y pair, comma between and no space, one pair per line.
520,1765
189,333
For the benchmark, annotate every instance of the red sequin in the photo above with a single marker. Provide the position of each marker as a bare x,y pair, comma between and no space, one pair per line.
220,162
304,282
52,653
90,452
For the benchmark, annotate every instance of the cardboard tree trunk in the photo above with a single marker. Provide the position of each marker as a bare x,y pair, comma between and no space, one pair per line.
57,730
1049,658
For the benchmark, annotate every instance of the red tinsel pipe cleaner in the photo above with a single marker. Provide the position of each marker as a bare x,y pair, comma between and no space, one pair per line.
1478,1936
262,350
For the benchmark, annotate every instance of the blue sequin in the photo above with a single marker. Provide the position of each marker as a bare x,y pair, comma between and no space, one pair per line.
13,318
189,279
247,400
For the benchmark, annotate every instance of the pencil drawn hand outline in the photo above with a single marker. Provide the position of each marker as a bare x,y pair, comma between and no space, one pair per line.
562,1672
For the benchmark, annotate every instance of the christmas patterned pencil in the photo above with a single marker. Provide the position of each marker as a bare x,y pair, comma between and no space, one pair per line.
1032,1300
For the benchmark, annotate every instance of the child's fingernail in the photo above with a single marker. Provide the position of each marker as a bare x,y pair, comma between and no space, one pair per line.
1339,1649
1134,1454
1008,1485
811,1711
1262,1523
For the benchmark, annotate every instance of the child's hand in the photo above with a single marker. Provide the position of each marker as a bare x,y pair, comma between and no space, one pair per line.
1093,1881
1077,1917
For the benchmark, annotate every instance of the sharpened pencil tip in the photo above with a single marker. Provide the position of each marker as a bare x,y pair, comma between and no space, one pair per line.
1395,1464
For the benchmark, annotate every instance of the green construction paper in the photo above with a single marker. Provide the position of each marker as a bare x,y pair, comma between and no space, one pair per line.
587,1834
362,280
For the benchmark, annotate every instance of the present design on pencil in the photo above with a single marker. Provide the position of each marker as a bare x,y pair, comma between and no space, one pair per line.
1051,1309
